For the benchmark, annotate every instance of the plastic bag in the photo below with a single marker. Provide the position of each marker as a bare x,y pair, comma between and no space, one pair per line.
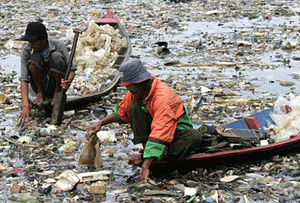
285,115
91,154
98,157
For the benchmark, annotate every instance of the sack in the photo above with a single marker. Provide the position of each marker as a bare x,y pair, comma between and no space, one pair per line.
242,135
91,154
98,157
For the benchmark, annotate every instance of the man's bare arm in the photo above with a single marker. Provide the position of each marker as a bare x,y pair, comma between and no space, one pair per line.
92,130
25,113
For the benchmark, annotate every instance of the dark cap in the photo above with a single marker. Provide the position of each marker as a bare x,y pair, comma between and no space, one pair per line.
133,72
35,31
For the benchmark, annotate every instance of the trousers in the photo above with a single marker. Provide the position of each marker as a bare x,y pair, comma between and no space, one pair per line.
185,142
56,62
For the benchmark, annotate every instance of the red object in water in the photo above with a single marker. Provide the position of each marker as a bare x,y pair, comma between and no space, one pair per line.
288,109
270,16
109,19
216,173
18,170
252,123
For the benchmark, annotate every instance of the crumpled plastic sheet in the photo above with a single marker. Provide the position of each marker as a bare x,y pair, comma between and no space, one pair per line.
287,122
97,50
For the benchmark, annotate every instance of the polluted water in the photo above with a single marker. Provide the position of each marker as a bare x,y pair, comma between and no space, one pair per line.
226,59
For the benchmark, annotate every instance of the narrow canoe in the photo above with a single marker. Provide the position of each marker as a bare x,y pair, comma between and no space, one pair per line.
242,155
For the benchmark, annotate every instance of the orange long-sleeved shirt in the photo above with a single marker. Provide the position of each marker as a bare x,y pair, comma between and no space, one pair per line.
165,107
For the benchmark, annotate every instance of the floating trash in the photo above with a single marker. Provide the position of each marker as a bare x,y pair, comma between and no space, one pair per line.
209,45
3,98
67,180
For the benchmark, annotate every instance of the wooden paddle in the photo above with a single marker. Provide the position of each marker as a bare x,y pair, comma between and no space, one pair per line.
58,107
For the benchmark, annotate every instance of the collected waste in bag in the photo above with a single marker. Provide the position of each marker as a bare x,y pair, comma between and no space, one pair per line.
91,153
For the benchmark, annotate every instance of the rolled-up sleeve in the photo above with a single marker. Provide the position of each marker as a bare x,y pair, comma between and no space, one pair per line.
155,150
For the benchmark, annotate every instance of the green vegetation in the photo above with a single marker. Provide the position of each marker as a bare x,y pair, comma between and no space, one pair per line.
7,77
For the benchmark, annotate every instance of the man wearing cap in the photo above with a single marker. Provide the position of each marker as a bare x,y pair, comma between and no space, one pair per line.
157,117
43,65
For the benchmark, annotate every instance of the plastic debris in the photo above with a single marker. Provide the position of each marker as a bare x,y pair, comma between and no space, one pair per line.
67,180
236,49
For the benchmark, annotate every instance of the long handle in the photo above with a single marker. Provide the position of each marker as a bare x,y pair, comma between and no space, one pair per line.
59,104
77,32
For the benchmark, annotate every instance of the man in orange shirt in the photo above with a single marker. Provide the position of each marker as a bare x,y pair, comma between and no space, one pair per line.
157,117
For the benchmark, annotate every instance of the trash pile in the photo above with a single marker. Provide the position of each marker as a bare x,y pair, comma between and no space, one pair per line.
98,47
226,59
96,52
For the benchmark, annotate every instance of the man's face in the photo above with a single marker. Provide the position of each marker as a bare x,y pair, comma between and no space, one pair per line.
135,90
38,44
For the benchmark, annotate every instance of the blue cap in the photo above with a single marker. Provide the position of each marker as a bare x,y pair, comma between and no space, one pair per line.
133,72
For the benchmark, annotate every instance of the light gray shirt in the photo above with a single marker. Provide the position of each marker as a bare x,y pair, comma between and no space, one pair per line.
54,45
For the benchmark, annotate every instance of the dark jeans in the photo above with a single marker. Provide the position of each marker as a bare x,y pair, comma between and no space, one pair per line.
56,62
184,142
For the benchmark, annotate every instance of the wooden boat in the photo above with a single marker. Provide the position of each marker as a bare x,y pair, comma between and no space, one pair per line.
229,156
75,102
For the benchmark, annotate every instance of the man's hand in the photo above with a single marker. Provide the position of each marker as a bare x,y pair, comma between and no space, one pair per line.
92,130
65,84
145,170
25,115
